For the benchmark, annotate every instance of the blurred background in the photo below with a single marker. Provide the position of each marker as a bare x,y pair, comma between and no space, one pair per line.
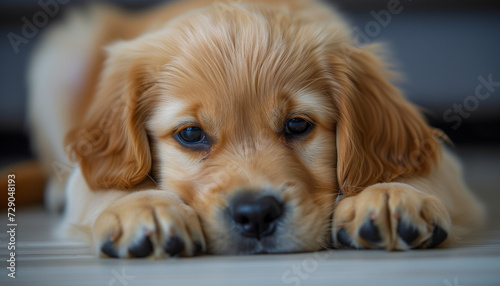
449,51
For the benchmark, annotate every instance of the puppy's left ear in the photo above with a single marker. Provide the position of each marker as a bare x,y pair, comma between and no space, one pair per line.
380,135
111,144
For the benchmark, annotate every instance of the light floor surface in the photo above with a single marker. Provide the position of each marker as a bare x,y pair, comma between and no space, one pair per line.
42,259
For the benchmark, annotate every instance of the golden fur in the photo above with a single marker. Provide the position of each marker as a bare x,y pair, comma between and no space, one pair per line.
239,70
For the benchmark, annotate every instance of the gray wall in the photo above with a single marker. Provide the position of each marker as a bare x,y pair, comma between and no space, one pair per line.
441,46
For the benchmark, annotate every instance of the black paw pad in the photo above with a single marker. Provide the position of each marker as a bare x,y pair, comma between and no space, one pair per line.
369,232
174,246
197,248
439,235
407,232
109,249
344,238
142,248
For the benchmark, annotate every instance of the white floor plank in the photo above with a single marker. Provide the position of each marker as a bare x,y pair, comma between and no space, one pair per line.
44,260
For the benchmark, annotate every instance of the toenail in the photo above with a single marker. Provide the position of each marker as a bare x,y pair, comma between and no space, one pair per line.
142,248
174,246
407,231
108,249
439,235
369,232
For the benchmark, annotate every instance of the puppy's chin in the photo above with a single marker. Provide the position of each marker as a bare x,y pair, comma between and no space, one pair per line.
237,245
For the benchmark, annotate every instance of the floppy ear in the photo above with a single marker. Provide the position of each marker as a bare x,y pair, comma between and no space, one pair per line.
380,135
111,145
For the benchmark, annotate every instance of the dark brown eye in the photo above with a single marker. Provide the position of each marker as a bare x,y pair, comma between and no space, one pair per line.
297,126
193,138
191,134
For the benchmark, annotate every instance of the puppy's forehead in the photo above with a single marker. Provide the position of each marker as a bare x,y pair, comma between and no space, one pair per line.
245,65
225,41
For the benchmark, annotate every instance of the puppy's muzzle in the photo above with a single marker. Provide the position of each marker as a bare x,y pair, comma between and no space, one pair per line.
255,216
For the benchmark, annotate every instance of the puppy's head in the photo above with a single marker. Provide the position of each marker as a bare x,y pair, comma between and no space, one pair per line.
256,118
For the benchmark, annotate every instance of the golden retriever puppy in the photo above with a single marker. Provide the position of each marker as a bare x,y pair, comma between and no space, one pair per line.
237,128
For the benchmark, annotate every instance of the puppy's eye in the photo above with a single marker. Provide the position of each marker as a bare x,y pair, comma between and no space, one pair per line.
297,126
191,134
193,138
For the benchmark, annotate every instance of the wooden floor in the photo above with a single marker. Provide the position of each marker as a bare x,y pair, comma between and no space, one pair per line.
43,260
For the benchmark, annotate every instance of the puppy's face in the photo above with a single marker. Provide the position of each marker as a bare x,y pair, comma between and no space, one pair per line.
257,165
243,132
254,117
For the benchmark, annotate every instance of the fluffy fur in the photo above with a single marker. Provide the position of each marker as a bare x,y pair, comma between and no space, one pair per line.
238,70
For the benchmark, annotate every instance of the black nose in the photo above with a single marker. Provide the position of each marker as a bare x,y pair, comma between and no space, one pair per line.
255,216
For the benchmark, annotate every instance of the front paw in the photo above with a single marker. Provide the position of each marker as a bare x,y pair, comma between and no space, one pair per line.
148,224
391,216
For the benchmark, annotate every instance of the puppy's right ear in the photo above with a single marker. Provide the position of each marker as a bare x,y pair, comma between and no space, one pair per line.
380,135
111,145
